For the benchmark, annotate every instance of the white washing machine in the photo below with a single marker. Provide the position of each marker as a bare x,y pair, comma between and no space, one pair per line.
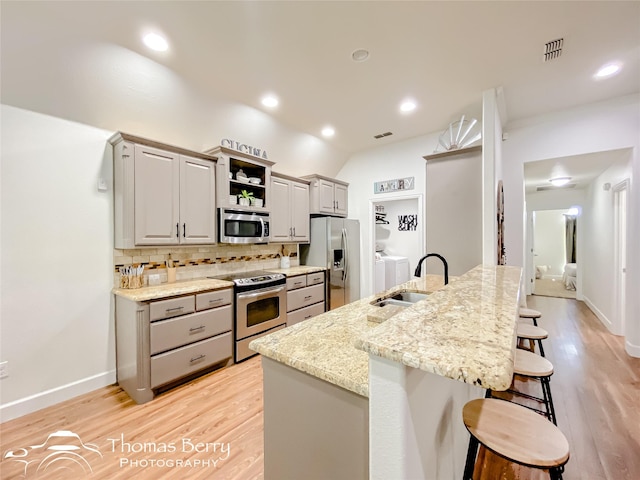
379,275
396,271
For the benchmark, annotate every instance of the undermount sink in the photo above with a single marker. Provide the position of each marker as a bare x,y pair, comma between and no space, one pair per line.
401,299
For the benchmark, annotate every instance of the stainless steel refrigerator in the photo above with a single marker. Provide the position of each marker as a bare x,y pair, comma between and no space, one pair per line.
335,245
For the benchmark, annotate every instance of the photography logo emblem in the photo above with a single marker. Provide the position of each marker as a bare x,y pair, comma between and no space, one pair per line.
62,451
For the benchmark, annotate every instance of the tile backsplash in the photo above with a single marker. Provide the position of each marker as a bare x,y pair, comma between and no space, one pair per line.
201,261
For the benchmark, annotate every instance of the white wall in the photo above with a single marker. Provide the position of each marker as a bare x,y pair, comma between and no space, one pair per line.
399,160
57,258
603,126
598,271
549,241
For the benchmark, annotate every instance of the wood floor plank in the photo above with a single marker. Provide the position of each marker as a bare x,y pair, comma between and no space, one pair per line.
595,386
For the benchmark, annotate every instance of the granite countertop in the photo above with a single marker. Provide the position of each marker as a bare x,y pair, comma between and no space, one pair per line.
465,331
323,346
296,270
172,289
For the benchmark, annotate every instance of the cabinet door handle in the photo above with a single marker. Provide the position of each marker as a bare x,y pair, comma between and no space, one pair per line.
177,230
195,359
184,230
195,329
294,231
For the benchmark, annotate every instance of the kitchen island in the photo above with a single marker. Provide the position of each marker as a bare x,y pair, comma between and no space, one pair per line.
356,393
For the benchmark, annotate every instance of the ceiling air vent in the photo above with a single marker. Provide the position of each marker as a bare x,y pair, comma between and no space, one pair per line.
552,49
544,188
385,134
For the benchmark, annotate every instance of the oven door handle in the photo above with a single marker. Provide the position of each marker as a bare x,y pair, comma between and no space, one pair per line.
270,292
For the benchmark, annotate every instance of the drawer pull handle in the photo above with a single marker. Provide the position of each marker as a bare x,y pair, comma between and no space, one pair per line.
215,300
308,317
175,309
308,297
298,283
195,359
195,329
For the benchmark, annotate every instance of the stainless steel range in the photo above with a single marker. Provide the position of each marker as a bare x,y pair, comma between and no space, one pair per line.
260,306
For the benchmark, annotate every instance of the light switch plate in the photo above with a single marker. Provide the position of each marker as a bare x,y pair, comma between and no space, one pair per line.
102,185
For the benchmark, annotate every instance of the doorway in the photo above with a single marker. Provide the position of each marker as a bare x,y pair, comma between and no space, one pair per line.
620,198
397,230
554,253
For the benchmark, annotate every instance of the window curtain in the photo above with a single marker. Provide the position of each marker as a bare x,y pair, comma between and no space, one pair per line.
570,237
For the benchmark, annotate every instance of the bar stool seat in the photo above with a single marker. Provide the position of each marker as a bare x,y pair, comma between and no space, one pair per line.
531,314
531,365
515,433
529,332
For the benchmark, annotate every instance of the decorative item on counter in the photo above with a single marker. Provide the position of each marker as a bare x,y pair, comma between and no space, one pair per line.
131,277
256,202
285,261
171,272
245,198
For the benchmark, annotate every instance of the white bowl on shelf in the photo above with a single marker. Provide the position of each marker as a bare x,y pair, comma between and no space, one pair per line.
242,179
255,180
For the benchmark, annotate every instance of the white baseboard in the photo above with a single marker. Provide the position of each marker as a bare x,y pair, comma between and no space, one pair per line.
633,350
601,316
30,404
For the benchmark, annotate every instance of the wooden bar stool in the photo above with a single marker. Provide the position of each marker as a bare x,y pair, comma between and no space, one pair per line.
526,331
531,314
514,433
531,365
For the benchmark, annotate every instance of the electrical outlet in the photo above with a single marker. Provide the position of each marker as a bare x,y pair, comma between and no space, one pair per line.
4,369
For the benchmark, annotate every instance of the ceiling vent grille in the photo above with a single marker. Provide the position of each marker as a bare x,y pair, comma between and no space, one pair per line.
552,49
380,135
544,188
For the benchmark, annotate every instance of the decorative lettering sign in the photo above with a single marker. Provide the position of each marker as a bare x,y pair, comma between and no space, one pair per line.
244,148
387,186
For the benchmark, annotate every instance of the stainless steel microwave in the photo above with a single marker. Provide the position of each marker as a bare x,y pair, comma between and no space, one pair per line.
238,226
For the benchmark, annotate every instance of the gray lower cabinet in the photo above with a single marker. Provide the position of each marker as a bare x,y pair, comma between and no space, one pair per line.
160,342
305,297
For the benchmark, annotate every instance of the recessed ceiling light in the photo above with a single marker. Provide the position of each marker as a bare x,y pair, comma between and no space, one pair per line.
408,106
328,131
608,70
360,55
155,42
270,101
560,181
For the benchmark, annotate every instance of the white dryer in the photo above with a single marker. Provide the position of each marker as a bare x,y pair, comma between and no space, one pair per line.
396,270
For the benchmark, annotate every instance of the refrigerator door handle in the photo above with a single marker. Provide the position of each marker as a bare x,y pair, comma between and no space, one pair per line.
345,249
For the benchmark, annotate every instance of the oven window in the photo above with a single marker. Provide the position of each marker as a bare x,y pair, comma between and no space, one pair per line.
242,228
262,311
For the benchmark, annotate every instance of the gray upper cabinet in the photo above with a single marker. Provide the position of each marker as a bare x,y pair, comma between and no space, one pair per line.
163,195
290,212
328,196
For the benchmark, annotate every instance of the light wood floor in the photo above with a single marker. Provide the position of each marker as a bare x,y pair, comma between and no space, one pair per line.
596,389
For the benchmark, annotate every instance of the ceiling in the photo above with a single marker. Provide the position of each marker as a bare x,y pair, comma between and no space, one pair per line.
581,169
441,54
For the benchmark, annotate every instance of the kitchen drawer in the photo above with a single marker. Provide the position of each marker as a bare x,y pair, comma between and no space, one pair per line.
304,313
178,363
214,299
315,278
175,332
304,297
296,282
171,308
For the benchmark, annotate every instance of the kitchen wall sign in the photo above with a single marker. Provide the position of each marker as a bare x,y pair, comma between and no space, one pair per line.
407,223
386,186
244,148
